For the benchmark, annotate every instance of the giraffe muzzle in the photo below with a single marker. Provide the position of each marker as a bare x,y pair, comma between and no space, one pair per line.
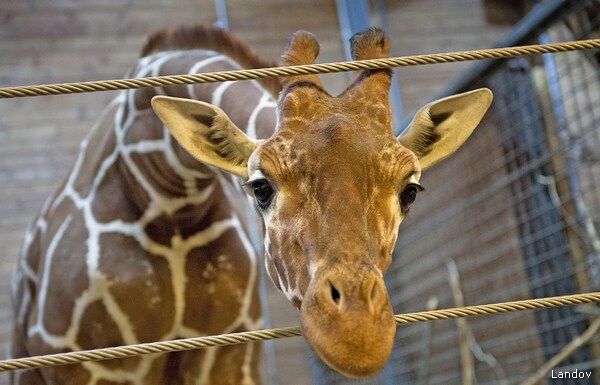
348,321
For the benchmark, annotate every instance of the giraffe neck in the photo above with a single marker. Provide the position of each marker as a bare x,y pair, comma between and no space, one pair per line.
158,174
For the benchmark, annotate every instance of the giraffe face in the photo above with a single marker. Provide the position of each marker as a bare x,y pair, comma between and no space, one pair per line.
332,185
330,197
332,200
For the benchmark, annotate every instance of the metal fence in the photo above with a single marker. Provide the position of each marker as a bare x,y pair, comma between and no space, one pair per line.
514,214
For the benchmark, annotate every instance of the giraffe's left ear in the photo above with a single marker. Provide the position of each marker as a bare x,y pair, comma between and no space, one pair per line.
206,132
441,127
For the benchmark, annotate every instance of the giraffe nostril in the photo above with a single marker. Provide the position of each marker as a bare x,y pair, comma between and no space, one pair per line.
374,292
335,294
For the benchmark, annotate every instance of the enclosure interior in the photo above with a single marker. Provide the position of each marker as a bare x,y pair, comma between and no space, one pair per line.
516,211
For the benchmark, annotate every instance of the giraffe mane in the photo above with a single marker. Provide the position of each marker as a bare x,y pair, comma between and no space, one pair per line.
213,39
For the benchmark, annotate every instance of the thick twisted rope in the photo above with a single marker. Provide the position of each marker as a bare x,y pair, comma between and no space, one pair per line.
247,74
262,335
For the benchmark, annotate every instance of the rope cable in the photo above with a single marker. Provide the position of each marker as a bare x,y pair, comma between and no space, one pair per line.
262,335
248,74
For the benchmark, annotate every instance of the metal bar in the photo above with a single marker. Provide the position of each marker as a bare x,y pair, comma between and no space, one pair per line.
353,16
221,12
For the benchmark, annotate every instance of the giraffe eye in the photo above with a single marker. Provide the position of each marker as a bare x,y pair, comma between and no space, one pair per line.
408,195
263,192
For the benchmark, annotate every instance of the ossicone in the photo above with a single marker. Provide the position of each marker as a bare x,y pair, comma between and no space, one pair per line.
302,48
372,43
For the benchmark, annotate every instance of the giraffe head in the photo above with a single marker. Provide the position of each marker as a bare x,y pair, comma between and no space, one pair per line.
332,185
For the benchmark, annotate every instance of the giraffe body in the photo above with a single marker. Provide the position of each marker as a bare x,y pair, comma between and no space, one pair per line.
143,243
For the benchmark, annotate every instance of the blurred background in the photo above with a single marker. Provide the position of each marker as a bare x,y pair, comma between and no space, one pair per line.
513,215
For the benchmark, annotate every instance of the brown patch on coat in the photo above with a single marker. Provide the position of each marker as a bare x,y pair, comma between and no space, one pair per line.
147,280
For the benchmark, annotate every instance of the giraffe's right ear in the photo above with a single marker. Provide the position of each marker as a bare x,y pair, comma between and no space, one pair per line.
206,132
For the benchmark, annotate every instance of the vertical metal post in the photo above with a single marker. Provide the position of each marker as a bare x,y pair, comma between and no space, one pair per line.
221,11
354,16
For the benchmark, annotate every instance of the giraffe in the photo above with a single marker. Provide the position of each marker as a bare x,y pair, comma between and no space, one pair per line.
145,242
141,242
332,185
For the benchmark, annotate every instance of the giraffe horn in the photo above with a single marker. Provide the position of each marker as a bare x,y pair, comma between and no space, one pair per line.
372,43
302,48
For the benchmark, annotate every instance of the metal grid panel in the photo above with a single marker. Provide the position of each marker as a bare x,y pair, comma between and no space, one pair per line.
517,209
